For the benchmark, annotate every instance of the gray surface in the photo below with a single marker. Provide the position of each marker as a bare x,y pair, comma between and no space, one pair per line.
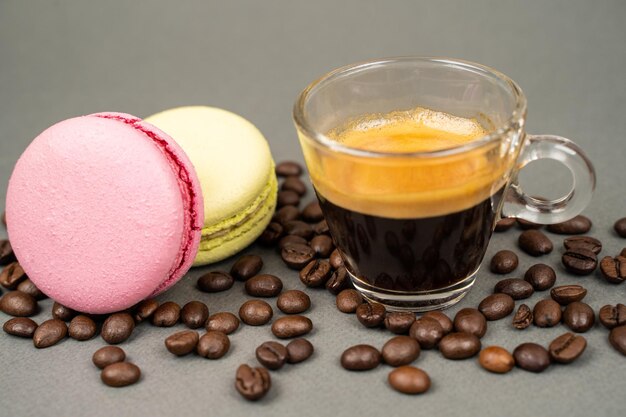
60,58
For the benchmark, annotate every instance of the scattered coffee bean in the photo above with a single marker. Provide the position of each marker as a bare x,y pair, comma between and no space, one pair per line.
399,322
496,306
20,327
264,285
338,281
108,355
299,350
613,316
523,318
213,345
566,294
427,331
336,261
271,234
223,322
613,269
12,275
117,328
503,262
61,312
528,225
617,338
312,212
49,333
348,301
316,273
322,245
540,276
298,228
182,343
409,380
504,224
567,348
400,350
586,242
297,256
579,317
255,312
294,184
246,267
444,321
18,304
287,198
579,261
531,357
82,328
293,302
120,374
252,383
620,227
470,320
576,226
292,326
321,228
145,309
194,314
166,315
496,359
6,253
289,239
27,286
535,243
371,314
288,169
286,213
360,358
517,288
459,345
272,355
547,313
215,281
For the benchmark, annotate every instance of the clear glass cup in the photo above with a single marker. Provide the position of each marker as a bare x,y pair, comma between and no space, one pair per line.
413,227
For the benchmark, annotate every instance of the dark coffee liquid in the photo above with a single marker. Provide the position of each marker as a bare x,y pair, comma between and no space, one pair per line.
413,254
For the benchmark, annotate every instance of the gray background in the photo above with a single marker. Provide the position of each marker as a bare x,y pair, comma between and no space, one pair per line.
64,58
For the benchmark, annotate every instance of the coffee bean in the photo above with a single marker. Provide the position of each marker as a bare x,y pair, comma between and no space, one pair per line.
540,276
6,253
61,312
459,345
338,281
213,345
117,328
531,357
503,262
371,314
336,261
252,383
535,243
576,226
49,333
579,317
20,327
272,355
399,322
271,234
496,306
298,228
294,184
409,380
579,261
297,256
523,317
316,273
255,312
246,267
292,326
293,302
566,294
194,314
322,245
82,328
587,242
517,288
348,301
12,275
215,281
567,348
145,309
290,239
321,228
400,350
620,227
427,331
286,213
496,359
287,198
108,355
312,212
288,169
613,316
360,358
299,350
528,225
547,313
264,285
120,374
182,343
27,286
613,269
18,304
444,321
223,322
617,338
166,315
504,224
470,320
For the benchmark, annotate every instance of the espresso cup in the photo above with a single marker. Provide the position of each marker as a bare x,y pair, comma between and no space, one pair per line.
414,160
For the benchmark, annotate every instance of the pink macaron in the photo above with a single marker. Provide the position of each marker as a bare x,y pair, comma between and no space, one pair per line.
104,211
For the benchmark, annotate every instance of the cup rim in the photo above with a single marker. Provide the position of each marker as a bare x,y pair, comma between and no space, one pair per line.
514,122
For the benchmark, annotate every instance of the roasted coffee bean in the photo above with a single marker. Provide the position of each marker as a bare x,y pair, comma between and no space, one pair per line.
287,198
82,328
620,227
61,312
400,350
215,281
316,273
166,315
182,343
145,309
296,255
252,383
288,169
580,261
321,228
503,262
6,253
586,242
264,285
528,225
298,228
535,243
427,331
504,224
294,184
322,245
579,317
20,327
246,267
567,348
194,314
108,355
517,288
49,333
223,322
312,212
613,316
120,374
299,350
613,269
566,294
496,359
540,276
117,328
409,380
399,322
470,320
289,239
459,345
360,358
272,355
18,304
12,275
213,345
291,326
523,317
286,213
371,314
576,226
336,261
338,281
255,312
271,234
293,302
27,286
348,301
496,306
617,338
547,313
444,321
531,357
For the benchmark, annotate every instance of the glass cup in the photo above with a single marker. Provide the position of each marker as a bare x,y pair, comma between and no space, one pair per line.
413,227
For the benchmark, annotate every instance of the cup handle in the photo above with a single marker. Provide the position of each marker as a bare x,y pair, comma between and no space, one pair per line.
518,204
